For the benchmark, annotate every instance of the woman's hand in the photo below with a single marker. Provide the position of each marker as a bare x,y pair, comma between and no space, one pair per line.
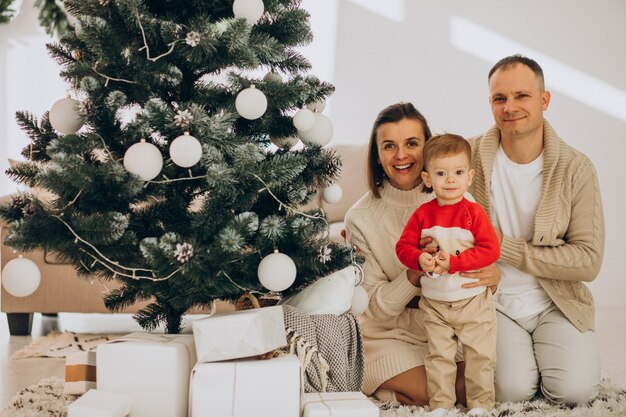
489,276
425,241
414,277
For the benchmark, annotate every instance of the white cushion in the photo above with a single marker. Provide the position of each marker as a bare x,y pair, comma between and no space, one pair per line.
328,295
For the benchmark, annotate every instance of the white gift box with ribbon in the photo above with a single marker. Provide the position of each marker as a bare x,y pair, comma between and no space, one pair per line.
339,404
239,334
153,369
80,372
97,403
247,388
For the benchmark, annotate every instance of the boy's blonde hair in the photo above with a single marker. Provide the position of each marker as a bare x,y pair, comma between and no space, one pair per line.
447,144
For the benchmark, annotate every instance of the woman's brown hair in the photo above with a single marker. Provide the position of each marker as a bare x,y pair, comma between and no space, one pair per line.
391,114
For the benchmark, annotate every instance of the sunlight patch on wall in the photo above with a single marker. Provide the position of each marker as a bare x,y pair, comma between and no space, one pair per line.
391,9
490,46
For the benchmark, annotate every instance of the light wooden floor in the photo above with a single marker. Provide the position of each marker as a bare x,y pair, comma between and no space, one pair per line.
18,374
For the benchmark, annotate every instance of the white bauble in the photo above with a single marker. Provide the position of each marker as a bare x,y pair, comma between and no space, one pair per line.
317,106
273,77
320,133
332,194
285,141
65,116
21,277
277,271
304,119
360,301
251,103
143,159
185,151
251,10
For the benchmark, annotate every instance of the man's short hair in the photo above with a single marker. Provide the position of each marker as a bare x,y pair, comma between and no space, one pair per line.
513,60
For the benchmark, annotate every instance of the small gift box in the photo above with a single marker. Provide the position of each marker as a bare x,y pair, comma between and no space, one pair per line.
247,388
80,372
152,369
98,403
339,404
239,334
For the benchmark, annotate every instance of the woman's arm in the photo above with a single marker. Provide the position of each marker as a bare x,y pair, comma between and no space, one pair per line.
388,296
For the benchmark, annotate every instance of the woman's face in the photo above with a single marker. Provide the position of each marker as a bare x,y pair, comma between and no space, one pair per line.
400,148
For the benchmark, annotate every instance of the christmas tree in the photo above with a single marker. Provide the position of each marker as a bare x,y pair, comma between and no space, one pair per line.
162,169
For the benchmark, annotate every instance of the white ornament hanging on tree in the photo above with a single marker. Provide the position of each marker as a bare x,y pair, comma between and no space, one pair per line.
304,119
285,141
21,277
143,159
317,106
185,151
251,10
251,103
65,116
320,133
273,77
277,271
360,301
332,194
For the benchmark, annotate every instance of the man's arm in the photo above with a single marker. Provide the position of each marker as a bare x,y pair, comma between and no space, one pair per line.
579,256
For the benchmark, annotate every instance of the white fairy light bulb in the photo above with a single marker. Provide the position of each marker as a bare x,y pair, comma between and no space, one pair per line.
317,106
304,119
185,150
251,10
360,301
65,116
251,103
21,277
143,159
277,271
320,133
332,194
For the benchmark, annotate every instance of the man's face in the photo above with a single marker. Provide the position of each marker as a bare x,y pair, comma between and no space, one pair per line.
517,101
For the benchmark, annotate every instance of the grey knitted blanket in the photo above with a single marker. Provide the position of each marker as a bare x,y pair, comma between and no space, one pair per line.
330,349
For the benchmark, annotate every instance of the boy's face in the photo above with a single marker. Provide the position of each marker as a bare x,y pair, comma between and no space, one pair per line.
449,178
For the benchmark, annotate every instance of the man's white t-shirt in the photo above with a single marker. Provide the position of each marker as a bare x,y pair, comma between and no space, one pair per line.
515,194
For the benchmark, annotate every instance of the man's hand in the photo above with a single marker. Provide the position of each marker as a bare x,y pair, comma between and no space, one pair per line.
489,276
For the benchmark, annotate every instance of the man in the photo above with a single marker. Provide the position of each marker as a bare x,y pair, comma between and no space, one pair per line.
543,198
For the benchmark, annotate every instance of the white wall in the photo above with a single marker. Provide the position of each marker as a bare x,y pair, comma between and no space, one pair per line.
436,55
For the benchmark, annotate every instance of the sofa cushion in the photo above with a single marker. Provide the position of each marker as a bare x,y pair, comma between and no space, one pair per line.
352,180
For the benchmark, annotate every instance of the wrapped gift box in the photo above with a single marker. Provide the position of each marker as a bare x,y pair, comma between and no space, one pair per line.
247,388
80,372
152,369
339,404
239,334
97,403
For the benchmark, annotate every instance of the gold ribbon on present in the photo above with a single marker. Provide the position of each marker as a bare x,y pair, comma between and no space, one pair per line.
80,372
248,301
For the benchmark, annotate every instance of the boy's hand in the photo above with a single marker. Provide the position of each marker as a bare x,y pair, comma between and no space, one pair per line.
442,260
426,261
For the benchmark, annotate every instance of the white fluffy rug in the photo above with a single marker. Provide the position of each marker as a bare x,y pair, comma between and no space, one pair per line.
58,345
47,399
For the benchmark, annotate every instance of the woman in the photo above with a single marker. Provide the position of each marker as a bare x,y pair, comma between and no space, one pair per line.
394,338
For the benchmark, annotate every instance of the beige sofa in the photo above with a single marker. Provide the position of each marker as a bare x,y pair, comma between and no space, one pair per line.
61,290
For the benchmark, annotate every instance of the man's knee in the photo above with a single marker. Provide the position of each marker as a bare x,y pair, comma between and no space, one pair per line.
569,391
515,389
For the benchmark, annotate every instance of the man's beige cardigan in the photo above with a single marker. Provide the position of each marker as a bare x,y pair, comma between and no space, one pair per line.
568,241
